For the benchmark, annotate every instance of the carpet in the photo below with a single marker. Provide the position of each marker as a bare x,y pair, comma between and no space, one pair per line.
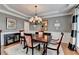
18,50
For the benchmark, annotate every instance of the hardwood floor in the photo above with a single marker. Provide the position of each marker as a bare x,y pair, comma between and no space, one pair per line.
64,46
68,51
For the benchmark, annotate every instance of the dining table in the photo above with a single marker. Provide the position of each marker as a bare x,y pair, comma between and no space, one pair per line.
40,40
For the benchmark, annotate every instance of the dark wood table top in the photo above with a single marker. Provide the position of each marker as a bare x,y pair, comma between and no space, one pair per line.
35,38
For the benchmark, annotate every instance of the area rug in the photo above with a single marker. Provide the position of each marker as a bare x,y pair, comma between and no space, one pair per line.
18,50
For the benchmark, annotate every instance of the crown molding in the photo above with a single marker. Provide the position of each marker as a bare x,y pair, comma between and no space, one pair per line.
12,14
58,15
13,10
55,12
43,14
46,15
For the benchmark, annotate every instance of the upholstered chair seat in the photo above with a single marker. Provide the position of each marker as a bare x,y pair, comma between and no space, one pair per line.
35,44
54,44
54,41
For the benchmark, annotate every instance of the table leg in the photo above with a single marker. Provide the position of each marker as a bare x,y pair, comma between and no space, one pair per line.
45,49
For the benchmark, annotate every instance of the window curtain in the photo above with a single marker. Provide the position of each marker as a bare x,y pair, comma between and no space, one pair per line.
72,43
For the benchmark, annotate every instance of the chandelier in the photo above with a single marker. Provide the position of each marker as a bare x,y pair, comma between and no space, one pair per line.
36,19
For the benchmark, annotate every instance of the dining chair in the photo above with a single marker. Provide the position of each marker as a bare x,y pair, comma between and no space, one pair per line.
39,35
46,42
49,36
44,38
30,43
21,35
54,44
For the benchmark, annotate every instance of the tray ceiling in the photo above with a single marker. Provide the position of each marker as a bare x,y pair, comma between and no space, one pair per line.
44,10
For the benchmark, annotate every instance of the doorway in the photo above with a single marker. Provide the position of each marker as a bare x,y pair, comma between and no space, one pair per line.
26,26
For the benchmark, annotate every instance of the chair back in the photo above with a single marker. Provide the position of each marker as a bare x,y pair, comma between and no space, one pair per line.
62,34
21,32
40,34
36,32
47,36
28,40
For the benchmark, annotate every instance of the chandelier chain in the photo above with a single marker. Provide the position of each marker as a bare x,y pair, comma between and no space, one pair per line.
35,10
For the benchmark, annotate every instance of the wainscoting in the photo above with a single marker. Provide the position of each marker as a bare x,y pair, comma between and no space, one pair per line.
66,37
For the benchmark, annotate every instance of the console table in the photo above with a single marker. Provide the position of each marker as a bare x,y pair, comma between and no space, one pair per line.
11,38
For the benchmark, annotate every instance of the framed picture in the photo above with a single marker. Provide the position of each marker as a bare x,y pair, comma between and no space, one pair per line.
10,23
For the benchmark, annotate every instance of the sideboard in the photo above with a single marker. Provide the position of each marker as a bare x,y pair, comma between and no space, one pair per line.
11,38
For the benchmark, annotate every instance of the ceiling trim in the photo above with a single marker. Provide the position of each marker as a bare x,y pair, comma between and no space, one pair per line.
58,15
13,10
47,15
12,14
43,14
55,12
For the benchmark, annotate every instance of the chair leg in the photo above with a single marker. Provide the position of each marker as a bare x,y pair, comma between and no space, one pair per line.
43,46
39,47
46,49
27,50
57,51
21,41
24,43
32,51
